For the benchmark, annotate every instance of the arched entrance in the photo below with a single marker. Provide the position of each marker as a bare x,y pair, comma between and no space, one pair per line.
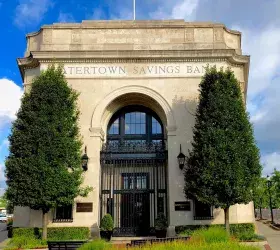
134,171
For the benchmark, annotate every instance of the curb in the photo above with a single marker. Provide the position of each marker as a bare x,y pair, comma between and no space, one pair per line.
267,247
274,227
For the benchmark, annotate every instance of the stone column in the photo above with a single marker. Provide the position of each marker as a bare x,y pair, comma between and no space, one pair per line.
94,174
171,177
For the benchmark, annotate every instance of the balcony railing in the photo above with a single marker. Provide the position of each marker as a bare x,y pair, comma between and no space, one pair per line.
62,220
203,217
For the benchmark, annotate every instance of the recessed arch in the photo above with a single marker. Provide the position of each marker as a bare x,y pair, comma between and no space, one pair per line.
132,95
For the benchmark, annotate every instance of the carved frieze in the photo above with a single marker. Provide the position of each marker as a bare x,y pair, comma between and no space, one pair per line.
203,35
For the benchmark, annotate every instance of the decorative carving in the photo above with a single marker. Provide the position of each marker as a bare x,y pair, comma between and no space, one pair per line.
203,35
133,147
189,35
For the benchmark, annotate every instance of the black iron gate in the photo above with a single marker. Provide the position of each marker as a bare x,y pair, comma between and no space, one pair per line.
133,186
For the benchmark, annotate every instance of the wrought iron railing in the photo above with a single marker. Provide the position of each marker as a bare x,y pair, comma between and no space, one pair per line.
62,220
133,146
203,217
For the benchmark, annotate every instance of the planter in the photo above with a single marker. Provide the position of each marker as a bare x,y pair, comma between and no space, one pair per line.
161,233
106,235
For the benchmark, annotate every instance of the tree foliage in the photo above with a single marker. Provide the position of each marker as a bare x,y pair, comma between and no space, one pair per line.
223,165
43,168
260,194
275,190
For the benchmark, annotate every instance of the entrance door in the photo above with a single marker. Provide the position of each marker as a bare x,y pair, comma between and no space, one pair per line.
135,203
133,171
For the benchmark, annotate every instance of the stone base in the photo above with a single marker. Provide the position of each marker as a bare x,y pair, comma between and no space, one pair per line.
95,232
171,231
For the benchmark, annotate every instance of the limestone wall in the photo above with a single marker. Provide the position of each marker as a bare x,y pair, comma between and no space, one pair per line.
158,64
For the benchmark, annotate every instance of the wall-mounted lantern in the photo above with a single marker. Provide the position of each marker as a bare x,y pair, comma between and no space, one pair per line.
85,160
181,159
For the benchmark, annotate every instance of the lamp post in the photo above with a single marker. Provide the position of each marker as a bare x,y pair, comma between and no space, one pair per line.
85,160
269,185
181,159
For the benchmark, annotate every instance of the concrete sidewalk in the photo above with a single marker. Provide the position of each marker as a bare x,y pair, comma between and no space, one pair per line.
272,236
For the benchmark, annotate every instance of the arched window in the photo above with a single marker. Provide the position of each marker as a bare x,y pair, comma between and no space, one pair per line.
135,124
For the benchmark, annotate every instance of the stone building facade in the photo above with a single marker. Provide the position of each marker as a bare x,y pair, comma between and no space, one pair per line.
138,84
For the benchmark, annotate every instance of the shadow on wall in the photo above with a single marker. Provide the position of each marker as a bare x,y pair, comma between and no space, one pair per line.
94,231
184,111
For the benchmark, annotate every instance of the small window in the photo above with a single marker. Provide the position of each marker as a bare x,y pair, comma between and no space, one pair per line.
63,214
202,211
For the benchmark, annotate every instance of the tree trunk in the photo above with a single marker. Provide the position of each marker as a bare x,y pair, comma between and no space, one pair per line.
261,213
226,211
45,224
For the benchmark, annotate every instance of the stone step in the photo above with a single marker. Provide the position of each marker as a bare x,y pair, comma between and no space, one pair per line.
126,240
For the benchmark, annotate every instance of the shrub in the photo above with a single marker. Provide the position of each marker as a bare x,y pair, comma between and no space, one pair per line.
68,233
246,228
107,223
54,233
211,235
96,245
160,222
24,242
27,232
198,246
235,229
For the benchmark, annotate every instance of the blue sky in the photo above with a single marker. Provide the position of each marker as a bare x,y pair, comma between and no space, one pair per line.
258,20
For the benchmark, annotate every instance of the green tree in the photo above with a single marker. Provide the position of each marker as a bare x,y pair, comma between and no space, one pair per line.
43,168
260,195
275,189
3,201
223,165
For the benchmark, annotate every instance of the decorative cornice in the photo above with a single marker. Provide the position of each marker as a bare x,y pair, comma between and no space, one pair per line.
27,63
108,24
141,56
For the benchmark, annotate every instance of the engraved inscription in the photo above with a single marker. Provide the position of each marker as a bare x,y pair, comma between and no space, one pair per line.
135,36
101,70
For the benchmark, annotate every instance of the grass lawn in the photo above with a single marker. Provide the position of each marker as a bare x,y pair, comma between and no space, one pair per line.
202,239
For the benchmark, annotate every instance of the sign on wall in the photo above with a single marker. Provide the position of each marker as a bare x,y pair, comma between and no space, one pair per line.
182,206
90,70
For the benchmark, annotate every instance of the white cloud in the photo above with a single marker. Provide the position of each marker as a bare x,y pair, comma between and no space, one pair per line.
31,12
271,162
2,172
264,48
10,95
65,17
97,14
176,9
